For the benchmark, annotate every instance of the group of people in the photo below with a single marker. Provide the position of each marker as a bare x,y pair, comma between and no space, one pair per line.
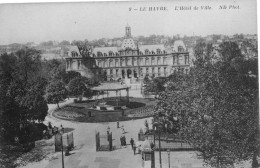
47,134
123,140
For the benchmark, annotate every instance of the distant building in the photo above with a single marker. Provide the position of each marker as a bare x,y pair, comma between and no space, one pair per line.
130,60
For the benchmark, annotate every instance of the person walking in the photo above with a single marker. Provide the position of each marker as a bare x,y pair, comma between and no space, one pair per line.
117,124
134,148
123,129
121,140
132,142
124,141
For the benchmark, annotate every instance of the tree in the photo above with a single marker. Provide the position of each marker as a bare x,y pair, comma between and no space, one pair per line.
55,92
215,106
23,88
155,85
78,86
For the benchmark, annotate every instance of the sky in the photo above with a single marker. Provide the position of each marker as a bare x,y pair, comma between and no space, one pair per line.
21,23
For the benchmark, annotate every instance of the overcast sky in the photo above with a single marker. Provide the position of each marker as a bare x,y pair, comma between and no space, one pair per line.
21,23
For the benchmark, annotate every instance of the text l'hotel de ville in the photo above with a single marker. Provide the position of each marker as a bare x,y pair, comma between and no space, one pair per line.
183,8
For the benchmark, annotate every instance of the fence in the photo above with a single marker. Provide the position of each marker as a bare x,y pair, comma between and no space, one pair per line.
141,112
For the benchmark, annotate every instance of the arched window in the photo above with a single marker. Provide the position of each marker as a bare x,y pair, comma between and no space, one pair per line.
105,54
99,54
146,52
146,61
153,61
158,51
111,53
180,49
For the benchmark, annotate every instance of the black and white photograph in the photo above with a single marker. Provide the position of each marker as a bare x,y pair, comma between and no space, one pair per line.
129,84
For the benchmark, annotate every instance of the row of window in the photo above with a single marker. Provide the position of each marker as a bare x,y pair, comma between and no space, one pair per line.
142,71
132,62
129,52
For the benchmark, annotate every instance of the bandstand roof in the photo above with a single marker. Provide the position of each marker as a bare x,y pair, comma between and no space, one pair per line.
110,87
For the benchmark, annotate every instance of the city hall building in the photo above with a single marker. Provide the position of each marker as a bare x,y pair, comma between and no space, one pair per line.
130,60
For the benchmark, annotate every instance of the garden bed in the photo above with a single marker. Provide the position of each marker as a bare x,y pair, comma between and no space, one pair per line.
84,112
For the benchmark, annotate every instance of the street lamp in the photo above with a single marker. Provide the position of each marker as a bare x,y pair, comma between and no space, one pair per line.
62,157
169,152
157,127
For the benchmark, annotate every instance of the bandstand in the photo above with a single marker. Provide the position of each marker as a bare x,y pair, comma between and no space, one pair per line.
111,87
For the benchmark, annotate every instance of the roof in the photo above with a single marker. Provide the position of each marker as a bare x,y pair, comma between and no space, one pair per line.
105,50
73,49
128,43
110,87
177,44
153,48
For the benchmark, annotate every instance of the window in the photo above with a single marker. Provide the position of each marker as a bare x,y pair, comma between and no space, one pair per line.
186,59
110,62
180,49
165,71
141,61
117,63
100,63
159,71
146,61
99,54
159,60
164,60
140,53
111,53
79,64
158,51
146,52
111,71
147,70
164,52
105,54
153,61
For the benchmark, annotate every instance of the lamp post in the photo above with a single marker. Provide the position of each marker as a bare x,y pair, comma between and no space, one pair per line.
169,152
62,157
159,132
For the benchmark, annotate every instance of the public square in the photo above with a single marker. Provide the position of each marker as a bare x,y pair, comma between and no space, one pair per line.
84,154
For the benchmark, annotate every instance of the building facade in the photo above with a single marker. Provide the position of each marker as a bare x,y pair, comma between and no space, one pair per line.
129,60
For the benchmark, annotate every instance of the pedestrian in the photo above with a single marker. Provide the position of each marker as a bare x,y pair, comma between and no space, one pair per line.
117,124
134,148
61,129
132,142
123,129
124,140
121,140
